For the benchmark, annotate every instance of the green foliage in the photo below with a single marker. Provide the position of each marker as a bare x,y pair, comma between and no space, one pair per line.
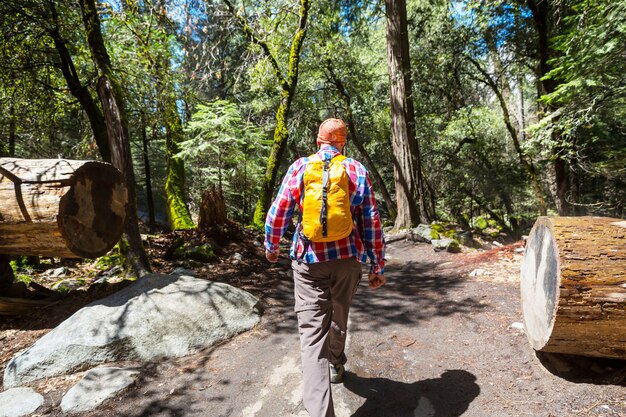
224,149
587,122
114,257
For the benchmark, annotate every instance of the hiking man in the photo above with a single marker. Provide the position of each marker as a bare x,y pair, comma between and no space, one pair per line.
338,226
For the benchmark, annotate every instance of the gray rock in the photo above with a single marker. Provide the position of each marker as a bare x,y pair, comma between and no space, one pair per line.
66,283
57,272
114,271
102,280
237,257
18,402
480,272
157,316
421,233
182,271
447,244
97,386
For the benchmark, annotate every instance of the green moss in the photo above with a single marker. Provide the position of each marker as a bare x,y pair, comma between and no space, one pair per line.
481,223
26,279
116,256
454,247
202,253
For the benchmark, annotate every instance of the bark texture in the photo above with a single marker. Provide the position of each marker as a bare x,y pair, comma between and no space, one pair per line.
541,11
410,190
574,286
111,97
288,90
60,208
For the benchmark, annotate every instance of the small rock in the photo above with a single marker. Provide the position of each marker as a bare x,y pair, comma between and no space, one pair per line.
517,326
477,272
520,250
20,401
66,283
447,244
421,233
257,244
237,257
182,271
101,280
114,271
97,385
57,272
497,244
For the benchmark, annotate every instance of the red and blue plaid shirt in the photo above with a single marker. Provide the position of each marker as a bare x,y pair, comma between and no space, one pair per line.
367,239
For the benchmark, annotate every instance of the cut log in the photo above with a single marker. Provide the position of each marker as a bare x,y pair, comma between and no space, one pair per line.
60,208
573,286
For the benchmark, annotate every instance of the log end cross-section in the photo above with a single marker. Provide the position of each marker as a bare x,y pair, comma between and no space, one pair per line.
573,286
60,208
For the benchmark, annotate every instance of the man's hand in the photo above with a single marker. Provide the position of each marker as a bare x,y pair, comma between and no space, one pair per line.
376,280
272,256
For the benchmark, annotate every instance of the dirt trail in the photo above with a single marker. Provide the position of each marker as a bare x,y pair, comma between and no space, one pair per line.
433,342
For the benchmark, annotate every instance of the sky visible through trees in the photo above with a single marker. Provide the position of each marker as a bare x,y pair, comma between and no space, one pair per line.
517,107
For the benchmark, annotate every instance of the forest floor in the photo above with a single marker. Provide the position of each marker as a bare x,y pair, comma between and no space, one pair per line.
442,338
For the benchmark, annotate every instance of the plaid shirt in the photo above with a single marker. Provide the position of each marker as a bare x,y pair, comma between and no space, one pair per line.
367,239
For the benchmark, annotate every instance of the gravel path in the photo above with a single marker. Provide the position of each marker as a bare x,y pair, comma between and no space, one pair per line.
433,342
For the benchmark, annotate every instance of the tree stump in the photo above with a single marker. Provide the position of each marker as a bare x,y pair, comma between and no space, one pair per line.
60,208
573,286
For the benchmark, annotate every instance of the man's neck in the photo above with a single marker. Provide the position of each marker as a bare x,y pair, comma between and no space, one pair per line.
326,147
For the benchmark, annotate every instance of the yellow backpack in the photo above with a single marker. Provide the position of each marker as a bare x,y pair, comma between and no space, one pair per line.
326,215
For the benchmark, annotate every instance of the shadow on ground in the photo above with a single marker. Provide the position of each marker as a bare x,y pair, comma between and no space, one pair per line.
582,369
447,396
414,292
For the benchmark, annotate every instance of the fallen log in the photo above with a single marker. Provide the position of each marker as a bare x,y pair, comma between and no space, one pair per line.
573,286
60,208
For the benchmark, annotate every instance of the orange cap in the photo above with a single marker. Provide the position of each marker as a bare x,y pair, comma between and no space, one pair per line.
332,132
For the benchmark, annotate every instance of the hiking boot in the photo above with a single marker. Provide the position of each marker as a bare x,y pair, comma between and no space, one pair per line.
336,373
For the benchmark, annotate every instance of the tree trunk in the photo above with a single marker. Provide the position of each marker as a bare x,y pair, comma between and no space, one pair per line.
540,11
572,285
146,165
60,208
6,275
176,204
78,90
525,161
353,137
288,89
111,95
407,164
177,209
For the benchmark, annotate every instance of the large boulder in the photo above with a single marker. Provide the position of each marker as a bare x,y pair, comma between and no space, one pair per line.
157,316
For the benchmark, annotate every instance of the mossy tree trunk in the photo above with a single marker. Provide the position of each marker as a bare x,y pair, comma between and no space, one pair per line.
176,204
288,89
112,101
77,89
177,209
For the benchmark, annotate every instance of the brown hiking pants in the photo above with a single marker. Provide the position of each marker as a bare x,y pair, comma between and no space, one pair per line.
323,293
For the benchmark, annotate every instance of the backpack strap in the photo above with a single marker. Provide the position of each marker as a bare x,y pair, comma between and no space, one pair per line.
324,211
325,185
